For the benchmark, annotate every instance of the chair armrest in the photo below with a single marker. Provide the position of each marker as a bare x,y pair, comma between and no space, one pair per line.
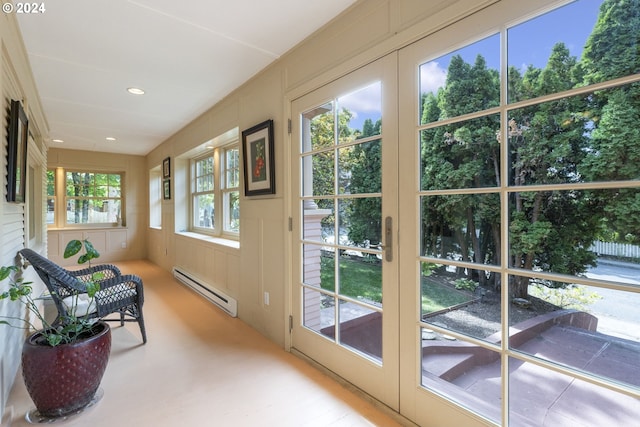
86,274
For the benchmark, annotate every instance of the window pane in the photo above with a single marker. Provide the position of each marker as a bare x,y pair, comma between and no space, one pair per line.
232,211
319,220
461,155
319,267
51,203
79,183
463,372
318,128
555,231
204,183
203,210
87,211
360,222
541,397
204,166
319,312
51,183
453,298
114,180
464,81
361,277
463,227
51,193
584,327
570,49
574,140
233,168
359,168
361,328
362,112
318,174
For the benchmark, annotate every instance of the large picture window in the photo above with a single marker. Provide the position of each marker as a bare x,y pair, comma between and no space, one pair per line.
77,198
93,197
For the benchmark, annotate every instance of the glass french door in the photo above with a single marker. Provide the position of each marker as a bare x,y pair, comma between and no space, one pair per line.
345,288
507,118
444,213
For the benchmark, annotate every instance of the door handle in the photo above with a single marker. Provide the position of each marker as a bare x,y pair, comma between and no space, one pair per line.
388,239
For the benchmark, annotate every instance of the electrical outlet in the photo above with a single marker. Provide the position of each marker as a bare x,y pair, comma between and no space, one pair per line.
266,298
124,245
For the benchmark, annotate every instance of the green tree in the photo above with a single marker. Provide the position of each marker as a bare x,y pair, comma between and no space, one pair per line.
613,50
548,230
364,215
323,130
551,230
462,155
80,187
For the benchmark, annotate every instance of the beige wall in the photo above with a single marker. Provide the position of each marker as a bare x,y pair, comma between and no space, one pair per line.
114,243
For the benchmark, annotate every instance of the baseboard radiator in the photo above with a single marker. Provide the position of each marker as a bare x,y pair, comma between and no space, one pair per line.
219,298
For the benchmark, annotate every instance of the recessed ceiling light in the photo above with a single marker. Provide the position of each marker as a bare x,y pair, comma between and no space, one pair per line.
110,138
58,141
135,91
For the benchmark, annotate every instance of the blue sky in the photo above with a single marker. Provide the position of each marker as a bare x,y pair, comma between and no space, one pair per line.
529,43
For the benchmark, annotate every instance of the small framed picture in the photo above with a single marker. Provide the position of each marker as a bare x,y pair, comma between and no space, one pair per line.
257,151
166,189
166,167
17,153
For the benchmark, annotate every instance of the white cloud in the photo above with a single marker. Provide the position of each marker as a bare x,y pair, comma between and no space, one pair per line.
368,99
432,77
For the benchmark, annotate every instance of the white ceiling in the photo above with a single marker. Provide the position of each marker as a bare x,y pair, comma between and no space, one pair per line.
186,54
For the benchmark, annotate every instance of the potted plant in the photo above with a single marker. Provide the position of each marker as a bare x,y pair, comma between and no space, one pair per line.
62,361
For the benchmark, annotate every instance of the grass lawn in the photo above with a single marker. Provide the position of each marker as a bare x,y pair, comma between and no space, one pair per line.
437,296
357,279
361,279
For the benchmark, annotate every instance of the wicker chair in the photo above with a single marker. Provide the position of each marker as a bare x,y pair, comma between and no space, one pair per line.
118,293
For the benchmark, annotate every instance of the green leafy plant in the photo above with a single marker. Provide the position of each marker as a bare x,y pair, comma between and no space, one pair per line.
571,296
65,329
466,285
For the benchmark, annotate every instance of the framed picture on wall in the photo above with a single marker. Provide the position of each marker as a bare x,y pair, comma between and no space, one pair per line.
166,189
257,152
17,153
166,167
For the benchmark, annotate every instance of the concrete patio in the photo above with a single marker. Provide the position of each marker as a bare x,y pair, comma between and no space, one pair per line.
539,396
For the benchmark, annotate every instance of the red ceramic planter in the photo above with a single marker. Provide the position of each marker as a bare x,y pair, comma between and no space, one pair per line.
62,380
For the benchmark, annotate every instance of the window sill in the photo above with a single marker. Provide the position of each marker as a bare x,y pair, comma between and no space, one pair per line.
233,244
88,227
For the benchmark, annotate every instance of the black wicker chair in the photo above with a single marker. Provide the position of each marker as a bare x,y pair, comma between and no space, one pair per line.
118,293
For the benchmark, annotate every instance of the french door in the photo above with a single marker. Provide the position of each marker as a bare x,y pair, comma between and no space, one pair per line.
345,207
445,175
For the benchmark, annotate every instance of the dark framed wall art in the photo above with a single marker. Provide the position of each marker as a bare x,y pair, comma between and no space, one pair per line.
166,189
257,152
166,167
17,153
